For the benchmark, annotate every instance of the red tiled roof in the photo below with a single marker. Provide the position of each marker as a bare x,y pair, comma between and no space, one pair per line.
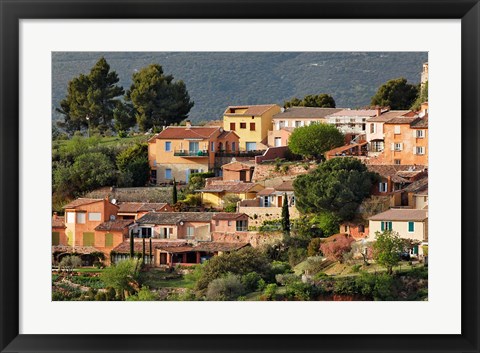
287,185
422,123
402,120
58,222
124,248
74,250
398,173
134,207
266,191
237,166
356,112
228,216
388,115
182,132
81,202
219,246
251,109
118,224
175,217
306,113
228,186
401,214
225,133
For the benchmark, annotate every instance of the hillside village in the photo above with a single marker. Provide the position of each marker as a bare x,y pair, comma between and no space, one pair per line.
245,195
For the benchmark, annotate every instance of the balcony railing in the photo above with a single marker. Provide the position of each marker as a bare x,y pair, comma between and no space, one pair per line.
239,153
186,153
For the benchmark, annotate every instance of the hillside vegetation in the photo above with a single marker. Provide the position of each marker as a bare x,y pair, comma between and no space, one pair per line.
215,80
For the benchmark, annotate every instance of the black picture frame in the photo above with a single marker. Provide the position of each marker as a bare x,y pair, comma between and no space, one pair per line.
12,11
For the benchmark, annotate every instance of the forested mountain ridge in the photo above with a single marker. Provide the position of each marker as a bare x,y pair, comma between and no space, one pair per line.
215,80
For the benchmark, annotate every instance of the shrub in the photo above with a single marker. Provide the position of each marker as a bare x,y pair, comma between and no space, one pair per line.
229,287
314,247
314,265
279,267
270,292
250,281
300,291
356,268
284,279
110,293
101,296
144,294
285,168
334,248
296,255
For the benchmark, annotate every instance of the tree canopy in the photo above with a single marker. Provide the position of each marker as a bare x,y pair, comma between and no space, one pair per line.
312,100
338,186
387,248
396,94
314,140
422,97
91,99
157,99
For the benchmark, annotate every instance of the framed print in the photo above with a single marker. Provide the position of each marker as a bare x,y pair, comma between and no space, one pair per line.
60,292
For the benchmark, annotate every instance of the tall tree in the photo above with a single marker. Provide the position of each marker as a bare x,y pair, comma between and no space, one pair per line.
387,248
422,98
91,99
285,215
396,94
124,117
314,140
312,100
338,185
174,192
157,99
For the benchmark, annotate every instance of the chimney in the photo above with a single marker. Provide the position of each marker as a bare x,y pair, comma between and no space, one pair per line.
188,124
379,110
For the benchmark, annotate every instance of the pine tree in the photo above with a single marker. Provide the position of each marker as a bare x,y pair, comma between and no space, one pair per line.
285,215
91,99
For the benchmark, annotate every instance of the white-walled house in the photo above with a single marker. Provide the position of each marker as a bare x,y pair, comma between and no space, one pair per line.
408,223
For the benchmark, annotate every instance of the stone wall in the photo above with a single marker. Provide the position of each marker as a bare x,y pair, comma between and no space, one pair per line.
254,238
258,215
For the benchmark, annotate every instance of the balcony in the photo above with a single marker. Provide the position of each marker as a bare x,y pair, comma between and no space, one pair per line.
239,153
191,154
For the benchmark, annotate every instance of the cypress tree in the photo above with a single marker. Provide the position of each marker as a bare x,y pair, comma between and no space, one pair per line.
143,250
174,192
150,258
285,215
132,248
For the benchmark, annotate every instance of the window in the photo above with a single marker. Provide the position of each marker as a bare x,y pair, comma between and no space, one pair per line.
193,147
242,226
361,228
278,141
396,130
145,232
168,173
420,134
398,146
81,217
251,146
233,146
212,146
298,123
282,124
397,161
190,232
70,217
382,187
411,227
55,238
217,222
386,225
88,239
168,146
229,223
252,126
243,125
292,200
266,201
419,150
345,229
94,216
232,126
108,239
372,128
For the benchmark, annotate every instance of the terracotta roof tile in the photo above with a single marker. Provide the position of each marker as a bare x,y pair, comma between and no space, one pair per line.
219,246
228,186
118,224
237,166
81,202
401,214
124,248
355,112
388,115
398,173
74,250
251,109
266,191
422,123
402,120
182,132
58,222
134,207
419,187
306,113
287,185
228,216
175,217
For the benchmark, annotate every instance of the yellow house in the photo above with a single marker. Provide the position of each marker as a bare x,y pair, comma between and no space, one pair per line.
251,123
216,190
179,151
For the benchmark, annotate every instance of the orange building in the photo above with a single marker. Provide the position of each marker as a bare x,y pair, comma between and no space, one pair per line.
238,171
406,141
135,210
59,236
177,152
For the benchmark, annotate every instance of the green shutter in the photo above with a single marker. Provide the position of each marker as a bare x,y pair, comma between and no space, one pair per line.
55,238
389,225
109,239
88,239
382,226
411,226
